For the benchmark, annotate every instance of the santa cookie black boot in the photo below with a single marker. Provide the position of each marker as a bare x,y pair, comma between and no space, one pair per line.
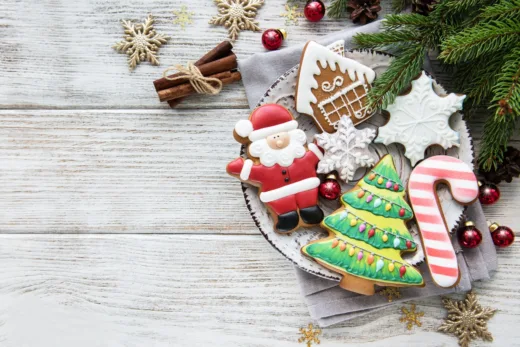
287,222
311,215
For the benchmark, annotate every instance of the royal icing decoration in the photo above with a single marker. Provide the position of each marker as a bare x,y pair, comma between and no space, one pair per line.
345,150
281,165
422,191
420,118
368,234
331,86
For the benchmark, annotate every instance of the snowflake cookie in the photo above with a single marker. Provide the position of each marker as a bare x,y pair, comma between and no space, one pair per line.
346,150
237,15
420,118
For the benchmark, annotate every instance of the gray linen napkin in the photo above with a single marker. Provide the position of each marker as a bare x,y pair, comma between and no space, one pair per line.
329,304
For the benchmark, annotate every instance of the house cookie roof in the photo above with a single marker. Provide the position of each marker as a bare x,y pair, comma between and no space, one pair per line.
311,55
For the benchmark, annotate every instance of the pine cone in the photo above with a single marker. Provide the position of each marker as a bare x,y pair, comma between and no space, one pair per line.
363,11
507,170
423,7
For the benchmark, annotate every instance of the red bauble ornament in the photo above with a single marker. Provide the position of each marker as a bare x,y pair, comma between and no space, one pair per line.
402,271
488,193
371,233
408,244
272,38
314,10
330,188
469,236
502,236
401,212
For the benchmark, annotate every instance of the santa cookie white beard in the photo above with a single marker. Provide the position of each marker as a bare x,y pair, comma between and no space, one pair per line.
280,165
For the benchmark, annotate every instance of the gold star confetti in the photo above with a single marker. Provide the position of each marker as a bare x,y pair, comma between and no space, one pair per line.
183,17
292,14
310,335
467,319
391,293
237,15
411,317
141,42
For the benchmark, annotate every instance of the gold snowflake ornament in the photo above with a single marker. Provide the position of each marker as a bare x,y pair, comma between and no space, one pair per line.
310,335
292,14
467,319
391,293
183,17
411,317
141,42
237,15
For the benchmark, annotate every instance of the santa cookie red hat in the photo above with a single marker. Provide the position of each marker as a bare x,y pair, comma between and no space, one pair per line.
264,121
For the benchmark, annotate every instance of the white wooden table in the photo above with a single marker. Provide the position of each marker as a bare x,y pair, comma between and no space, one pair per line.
119,225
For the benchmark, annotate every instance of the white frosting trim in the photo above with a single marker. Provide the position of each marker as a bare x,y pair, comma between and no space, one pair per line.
291,189
246,170
309,67
243,128
264,132
315,150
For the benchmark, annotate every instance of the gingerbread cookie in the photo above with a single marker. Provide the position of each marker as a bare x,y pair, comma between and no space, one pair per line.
420,118
368,234
281,164
346,150
331,86
422,190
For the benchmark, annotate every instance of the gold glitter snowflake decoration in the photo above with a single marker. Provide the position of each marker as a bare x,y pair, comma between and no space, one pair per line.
309,335
391,293
183,17
411,317
141,42
237,15
292,14
467,319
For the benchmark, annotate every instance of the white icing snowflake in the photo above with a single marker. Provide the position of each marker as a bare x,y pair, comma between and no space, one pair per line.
420,118
346,150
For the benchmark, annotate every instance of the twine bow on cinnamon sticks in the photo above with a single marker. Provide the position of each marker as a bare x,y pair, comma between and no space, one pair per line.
206,76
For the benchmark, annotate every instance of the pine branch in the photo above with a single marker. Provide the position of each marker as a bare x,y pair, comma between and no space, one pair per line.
502,10
494,141
506,92
400,5
397,77
337,8
453,11
394,21
479,40
386,39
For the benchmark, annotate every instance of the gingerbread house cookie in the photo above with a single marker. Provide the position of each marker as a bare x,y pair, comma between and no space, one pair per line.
331,86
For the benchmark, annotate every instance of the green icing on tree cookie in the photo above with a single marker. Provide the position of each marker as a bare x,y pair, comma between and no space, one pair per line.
383,173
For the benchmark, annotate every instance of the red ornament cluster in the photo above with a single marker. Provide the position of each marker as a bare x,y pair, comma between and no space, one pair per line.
502,236
272,38
469,236
314,10
330,189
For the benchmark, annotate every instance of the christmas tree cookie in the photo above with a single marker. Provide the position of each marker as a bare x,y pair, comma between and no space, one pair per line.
368,234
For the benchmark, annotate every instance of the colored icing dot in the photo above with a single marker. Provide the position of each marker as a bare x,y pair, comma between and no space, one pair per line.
371,233
408,244
402,271
397,242
388,184
396,187
362,227
388,207
351,251
370,259
384,238
342,246
401,212
372,176
360,194
335,243
360,255
379,265
380,180
391,267
353,222
377,203
370,197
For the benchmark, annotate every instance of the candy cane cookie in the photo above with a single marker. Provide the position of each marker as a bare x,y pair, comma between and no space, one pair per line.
435,237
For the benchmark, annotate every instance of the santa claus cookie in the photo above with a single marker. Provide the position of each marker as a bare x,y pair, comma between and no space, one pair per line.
281,165
331,86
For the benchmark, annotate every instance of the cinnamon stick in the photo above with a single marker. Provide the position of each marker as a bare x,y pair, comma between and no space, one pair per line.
186,89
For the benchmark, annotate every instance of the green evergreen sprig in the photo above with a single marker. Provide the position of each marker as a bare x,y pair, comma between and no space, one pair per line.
478,40
337,8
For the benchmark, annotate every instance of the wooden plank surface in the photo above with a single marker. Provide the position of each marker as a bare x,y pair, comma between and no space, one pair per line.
87,149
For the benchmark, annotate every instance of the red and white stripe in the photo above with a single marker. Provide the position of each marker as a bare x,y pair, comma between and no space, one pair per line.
439,252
